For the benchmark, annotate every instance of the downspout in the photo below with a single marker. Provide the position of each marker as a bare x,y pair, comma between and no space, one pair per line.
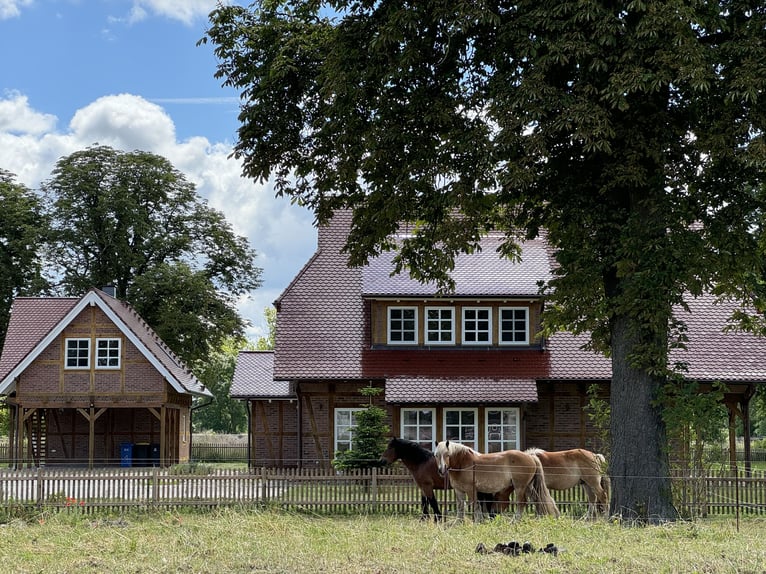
250,430
299,458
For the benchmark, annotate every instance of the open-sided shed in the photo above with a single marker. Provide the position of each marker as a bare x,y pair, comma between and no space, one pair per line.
88,382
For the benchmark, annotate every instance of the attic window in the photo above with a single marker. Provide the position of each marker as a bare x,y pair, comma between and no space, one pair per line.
440,325
514,326
77,353
477,326
107,353
402,326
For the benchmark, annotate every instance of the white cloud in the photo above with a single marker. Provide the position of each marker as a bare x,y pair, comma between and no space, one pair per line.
17,117
124,121
187,11
281,233
12,8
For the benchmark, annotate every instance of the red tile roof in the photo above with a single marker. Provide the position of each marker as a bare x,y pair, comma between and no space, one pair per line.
32,318
320,316
323,330
253,377
35,320
460,390
485,273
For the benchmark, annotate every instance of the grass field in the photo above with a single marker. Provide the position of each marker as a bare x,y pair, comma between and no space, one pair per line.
235,541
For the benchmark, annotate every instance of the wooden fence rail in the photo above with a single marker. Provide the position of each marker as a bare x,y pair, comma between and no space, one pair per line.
389,490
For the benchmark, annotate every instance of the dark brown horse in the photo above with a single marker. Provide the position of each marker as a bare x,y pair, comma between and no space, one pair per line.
422,465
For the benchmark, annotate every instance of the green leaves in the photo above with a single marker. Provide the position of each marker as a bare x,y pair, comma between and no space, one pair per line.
131,220
23,227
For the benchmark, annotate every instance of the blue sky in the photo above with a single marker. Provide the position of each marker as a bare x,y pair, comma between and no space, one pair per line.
128,73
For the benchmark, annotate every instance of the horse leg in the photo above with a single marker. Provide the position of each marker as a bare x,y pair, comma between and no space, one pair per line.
591,514
435,507
424,507
487,501
460,501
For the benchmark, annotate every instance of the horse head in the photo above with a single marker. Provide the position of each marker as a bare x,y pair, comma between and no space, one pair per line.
442,453
390,455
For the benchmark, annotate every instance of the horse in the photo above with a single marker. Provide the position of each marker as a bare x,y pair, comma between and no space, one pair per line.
470,471
422,466
568,468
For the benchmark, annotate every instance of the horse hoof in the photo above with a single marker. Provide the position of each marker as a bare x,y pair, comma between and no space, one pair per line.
481,549
527,548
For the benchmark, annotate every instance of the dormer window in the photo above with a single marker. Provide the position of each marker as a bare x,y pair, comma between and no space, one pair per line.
402,326
440,325
514,326
477,326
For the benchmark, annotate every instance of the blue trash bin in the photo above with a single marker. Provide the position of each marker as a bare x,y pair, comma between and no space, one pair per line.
126,454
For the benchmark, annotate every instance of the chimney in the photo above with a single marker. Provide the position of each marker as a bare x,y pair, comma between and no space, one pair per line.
109,290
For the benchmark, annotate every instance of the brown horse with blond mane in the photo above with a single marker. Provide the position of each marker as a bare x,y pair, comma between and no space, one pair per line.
566,469
471,472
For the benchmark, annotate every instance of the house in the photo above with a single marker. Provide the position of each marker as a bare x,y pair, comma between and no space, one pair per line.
470,366
89,383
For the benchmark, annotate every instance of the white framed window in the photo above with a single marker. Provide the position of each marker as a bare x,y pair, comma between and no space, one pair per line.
440,325
403,325
477,326
513,326
77,354
460,426
345,422
418,426
502,429
108,353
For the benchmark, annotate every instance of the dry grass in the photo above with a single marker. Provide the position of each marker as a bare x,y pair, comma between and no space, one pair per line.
234,541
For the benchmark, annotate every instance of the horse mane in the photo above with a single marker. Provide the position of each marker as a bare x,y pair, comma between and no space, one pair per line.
453,447
534,451
410,450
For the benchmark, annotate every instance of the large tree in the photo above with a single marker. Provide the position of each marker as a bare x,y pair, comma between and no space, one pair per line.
631,132
22,229
131,220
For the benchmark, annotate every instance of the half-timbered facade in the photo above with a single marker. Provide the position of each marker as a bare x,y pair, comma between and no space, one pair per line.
86,379
469,366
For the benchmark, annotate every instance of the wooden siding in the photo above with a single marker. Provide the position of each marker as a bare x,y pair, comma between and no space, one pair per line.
379,318
558,421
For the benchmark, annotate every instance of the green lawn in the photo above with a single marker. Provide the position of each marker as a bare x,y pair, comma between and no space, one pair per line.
235,541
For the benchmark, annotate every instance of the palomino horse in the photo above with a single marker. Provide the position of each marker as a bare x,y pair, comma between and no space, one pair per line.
471,471
567,468
422,465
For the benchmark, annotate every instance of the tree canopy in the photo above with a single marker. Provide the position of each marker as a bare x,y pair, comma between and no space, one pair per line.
630,132
22,229
131,220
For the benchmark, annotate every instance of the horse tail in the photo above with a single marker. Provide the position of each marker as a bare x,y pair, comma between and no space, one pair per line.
544,503
606,482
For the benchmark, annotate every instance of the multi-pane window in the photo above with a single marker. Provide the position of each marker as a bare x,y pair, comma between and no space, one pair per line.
440,325
107,353
77,353
345,422
403,325
418,426
502,429
514,326
477,326
460,426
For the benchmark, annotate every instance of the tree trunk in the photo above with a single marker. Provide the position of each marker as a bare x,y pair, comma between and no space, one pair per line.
639,467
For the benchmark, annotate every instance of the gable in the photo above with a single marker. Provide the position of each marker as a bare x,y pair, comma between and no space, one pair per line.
37,322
